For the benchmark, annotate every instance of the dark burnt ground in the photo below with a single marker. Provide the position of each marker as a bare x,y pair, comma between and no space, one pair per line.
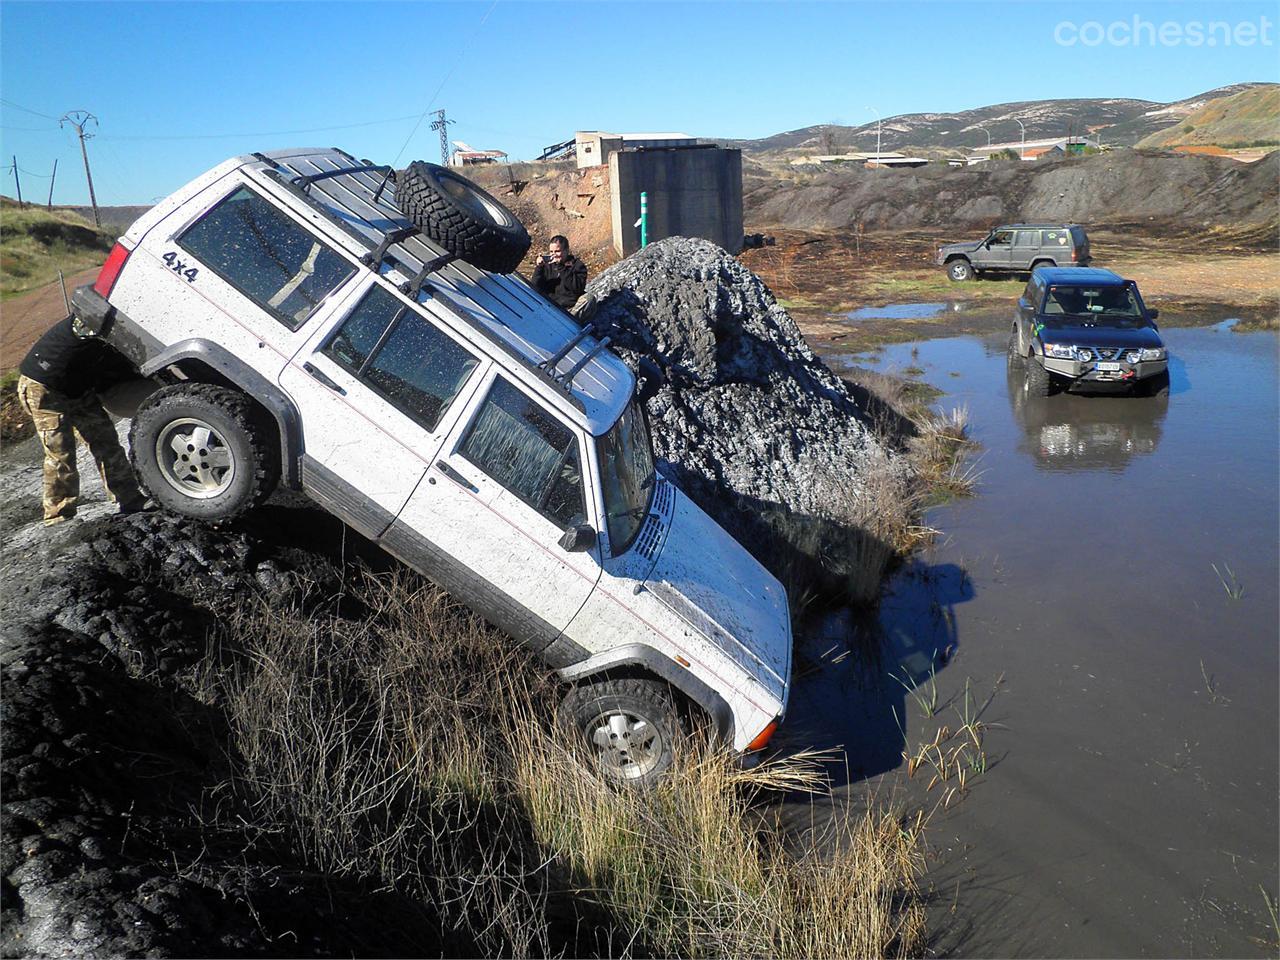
125,830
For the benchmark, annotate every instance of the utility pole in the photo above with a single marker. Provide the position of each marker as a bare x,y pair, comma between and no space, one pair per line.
442,124
78,118
877,113
52,179
1022,152
14,170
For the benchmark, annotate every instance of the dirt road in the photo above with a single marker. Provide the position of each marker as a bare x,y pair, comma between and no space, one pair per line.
26,317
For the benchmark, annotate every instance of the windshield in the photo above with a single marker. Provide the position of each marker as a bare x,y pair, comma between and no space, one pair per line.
626,475
1101,306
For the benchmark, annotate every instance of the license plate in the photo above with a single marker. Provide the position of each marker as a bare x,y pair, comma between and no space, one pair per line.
1109,367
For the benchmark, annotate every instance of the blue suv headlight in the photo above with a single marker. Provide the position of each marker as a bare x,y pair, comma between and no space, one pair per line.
1154,353
1060,351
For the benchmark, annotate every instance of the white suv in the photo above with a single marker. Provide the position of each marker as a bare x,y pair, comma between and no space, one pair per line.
308,330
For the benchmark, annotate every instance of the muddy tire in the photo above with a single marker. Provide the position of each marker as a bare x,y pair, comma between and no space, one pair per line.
462,218
1042,263
1011,349
203,451
1157,386
959,270
1038,382
627,727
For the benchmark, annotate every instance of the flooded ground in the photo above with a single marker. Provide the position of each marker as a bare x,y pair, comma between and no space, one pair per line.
1112,591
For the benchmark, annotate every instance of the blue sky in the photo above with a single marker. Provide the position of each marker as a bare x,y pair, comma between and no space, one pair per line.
178,87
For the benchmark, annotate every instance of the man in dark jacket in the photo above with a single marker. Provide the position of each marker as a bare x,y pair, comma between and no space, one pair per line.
57,386
560,276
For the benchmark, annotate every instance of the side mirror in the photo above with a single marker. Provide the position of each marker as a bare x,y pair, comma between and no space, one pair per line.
1154,313
577,538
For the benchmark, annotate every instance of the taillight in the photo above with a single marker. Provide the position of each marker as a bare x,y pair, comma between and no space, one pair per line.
110,271
1075,254
762,739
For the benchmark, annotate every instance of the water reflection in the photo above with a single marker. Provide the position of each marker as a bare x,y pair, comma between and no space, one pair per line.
1084,432
859,679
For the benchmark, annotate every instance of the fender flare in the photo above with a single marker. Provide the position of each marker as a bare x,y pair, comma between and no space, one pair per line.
274,399
650,660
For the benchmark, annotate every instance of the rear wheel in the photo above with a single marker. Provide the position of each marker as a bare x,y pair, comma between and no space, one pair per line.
627,726
960,270
201,451
462,218
1042,263
1012,350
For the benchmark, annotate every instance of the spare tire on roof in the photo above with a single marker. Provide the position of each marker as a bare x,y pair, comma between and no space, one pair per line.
462,218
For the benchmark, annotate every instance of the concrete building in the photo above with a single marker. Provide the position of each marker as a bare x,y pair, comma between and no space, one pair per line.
465,155
883,159
691,191
593,147
1053,148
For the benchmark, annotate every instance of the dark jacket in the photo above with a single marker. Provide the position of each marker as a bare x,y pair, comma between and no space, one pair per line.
562,283
72,365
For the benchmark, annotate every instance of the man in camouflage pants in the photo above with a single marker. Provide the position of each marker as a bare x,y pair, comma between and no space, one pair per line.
57,387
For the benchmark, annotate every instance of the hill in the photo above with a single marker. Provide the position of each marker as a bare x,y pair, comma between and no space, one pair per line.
1165,192
1248,118
1119,122
36,243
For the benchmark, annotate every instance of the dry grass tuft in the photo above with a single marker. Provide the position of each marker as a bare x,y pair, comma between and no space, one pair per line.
414,747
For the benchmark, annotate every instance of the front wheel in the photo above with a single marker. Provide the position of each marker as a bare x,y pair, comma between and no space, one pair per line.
1012,350
200,451
1038,381
960,270
628,727
1157,386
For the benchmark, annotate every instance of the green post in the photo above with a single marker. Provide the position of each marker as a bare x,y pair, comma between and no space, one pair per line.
644,219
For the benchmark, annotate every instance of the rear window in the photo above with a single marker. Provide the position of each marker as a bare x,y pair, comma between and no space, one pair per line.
266,256
1056,238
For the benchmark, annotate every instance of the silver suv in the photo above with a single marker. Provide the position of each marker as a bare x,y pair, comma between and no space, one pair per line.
355,333
1017,248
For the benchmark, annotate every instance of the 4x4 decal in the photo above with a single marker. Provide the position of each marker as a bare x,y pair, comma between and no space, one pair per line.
180,268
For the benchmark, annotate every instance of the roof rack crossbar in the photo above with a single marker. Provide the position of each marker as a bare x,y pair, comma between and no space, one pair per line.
375,257
414,286
566,380
553,361
305,181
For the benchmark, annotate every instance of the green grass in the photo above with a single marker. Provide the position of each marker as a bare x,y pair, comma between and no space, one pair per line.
35,244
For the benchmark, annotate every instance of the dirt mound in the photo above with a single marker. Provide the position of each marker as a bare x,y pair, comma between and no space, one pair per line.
751,424
122,834
556,199
1173,189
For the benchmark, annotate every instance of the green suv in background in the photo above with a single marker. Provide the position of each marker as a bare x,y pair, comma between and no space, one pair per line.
1017,248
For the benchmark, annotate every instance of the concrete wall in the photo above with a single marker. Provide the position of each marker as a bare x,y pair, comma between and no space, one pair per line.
691,193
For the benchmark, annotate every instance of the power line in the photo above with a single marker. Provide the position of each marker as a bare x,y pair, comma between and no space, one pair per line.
462,51
262,133
18,106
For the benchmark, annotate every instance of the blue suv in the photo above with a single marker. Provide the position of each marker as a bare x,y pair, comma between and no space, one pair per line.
1084,326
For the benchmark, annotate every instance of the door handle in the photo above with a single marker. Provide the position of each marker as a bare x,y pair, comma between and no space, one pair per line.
316,374
456,477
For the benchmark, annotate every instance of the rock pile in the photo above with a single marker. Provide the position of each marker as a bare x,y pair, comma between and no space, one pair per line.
751,424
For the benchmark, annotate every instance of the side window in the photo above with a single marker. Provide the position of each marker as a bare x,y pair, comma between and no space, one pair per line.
403,357
521,446
266,256
1055,238
1002,238
1032,292
1027,238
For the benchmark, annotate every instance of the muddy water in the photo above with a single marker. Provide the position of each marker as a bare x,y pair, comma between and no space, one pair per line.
1129,806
